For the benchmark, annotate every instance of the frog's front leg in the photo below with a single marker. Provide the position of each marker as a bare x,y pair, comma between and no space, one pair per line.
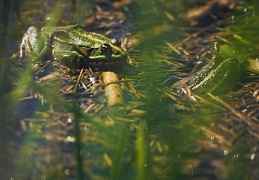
69,58
185,89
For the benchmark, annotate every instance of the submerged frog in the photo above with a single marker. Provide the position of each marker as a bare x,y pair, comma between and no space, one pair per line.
218,77
71,44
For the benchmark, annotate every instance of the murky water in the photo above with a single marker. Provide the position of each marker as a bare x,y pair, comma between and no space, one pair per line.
160,132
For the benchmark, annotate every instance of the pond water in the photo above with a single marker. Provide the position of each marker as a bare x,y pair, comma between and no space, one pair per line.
173,123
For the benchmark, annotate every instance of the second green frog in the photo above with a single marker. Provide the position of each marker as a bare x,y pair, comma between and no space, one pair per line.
71,44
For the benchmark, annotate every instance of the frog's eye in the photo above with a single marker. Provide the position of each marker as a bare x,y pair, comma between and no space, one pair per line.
116,42
105,48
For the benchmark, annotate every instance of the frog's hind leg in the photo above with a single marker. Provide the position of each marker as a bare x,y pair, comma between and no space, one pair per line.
28,43
33,44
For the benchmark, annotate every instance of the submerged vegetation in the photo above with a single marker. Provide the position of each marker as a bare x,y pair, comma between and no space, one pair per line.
190,97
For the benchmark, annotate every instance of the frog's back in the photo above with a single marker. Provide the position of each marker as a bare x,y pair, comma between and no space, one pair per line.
79,32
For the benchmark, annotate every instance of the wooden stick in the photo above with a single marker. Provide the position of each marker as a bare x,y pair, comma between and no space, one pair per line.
112,91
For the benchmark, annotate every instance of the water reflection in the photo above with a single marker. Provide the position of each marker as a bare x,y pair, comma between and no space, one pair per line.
159,133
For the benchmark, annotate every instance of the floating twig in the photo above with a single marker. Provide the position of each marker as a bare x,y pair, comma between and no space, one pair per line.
112,91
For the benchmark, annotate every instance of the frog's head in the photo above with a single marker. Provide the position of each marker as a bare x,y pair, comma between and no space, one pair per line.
106,53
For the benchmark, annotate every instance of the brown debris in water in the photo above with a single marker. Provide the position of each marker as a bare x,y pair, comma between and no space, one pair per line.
211,9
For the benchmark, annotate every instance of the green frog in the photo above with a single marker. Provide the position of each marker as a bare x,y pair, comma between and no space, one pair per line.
71,44
218,77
